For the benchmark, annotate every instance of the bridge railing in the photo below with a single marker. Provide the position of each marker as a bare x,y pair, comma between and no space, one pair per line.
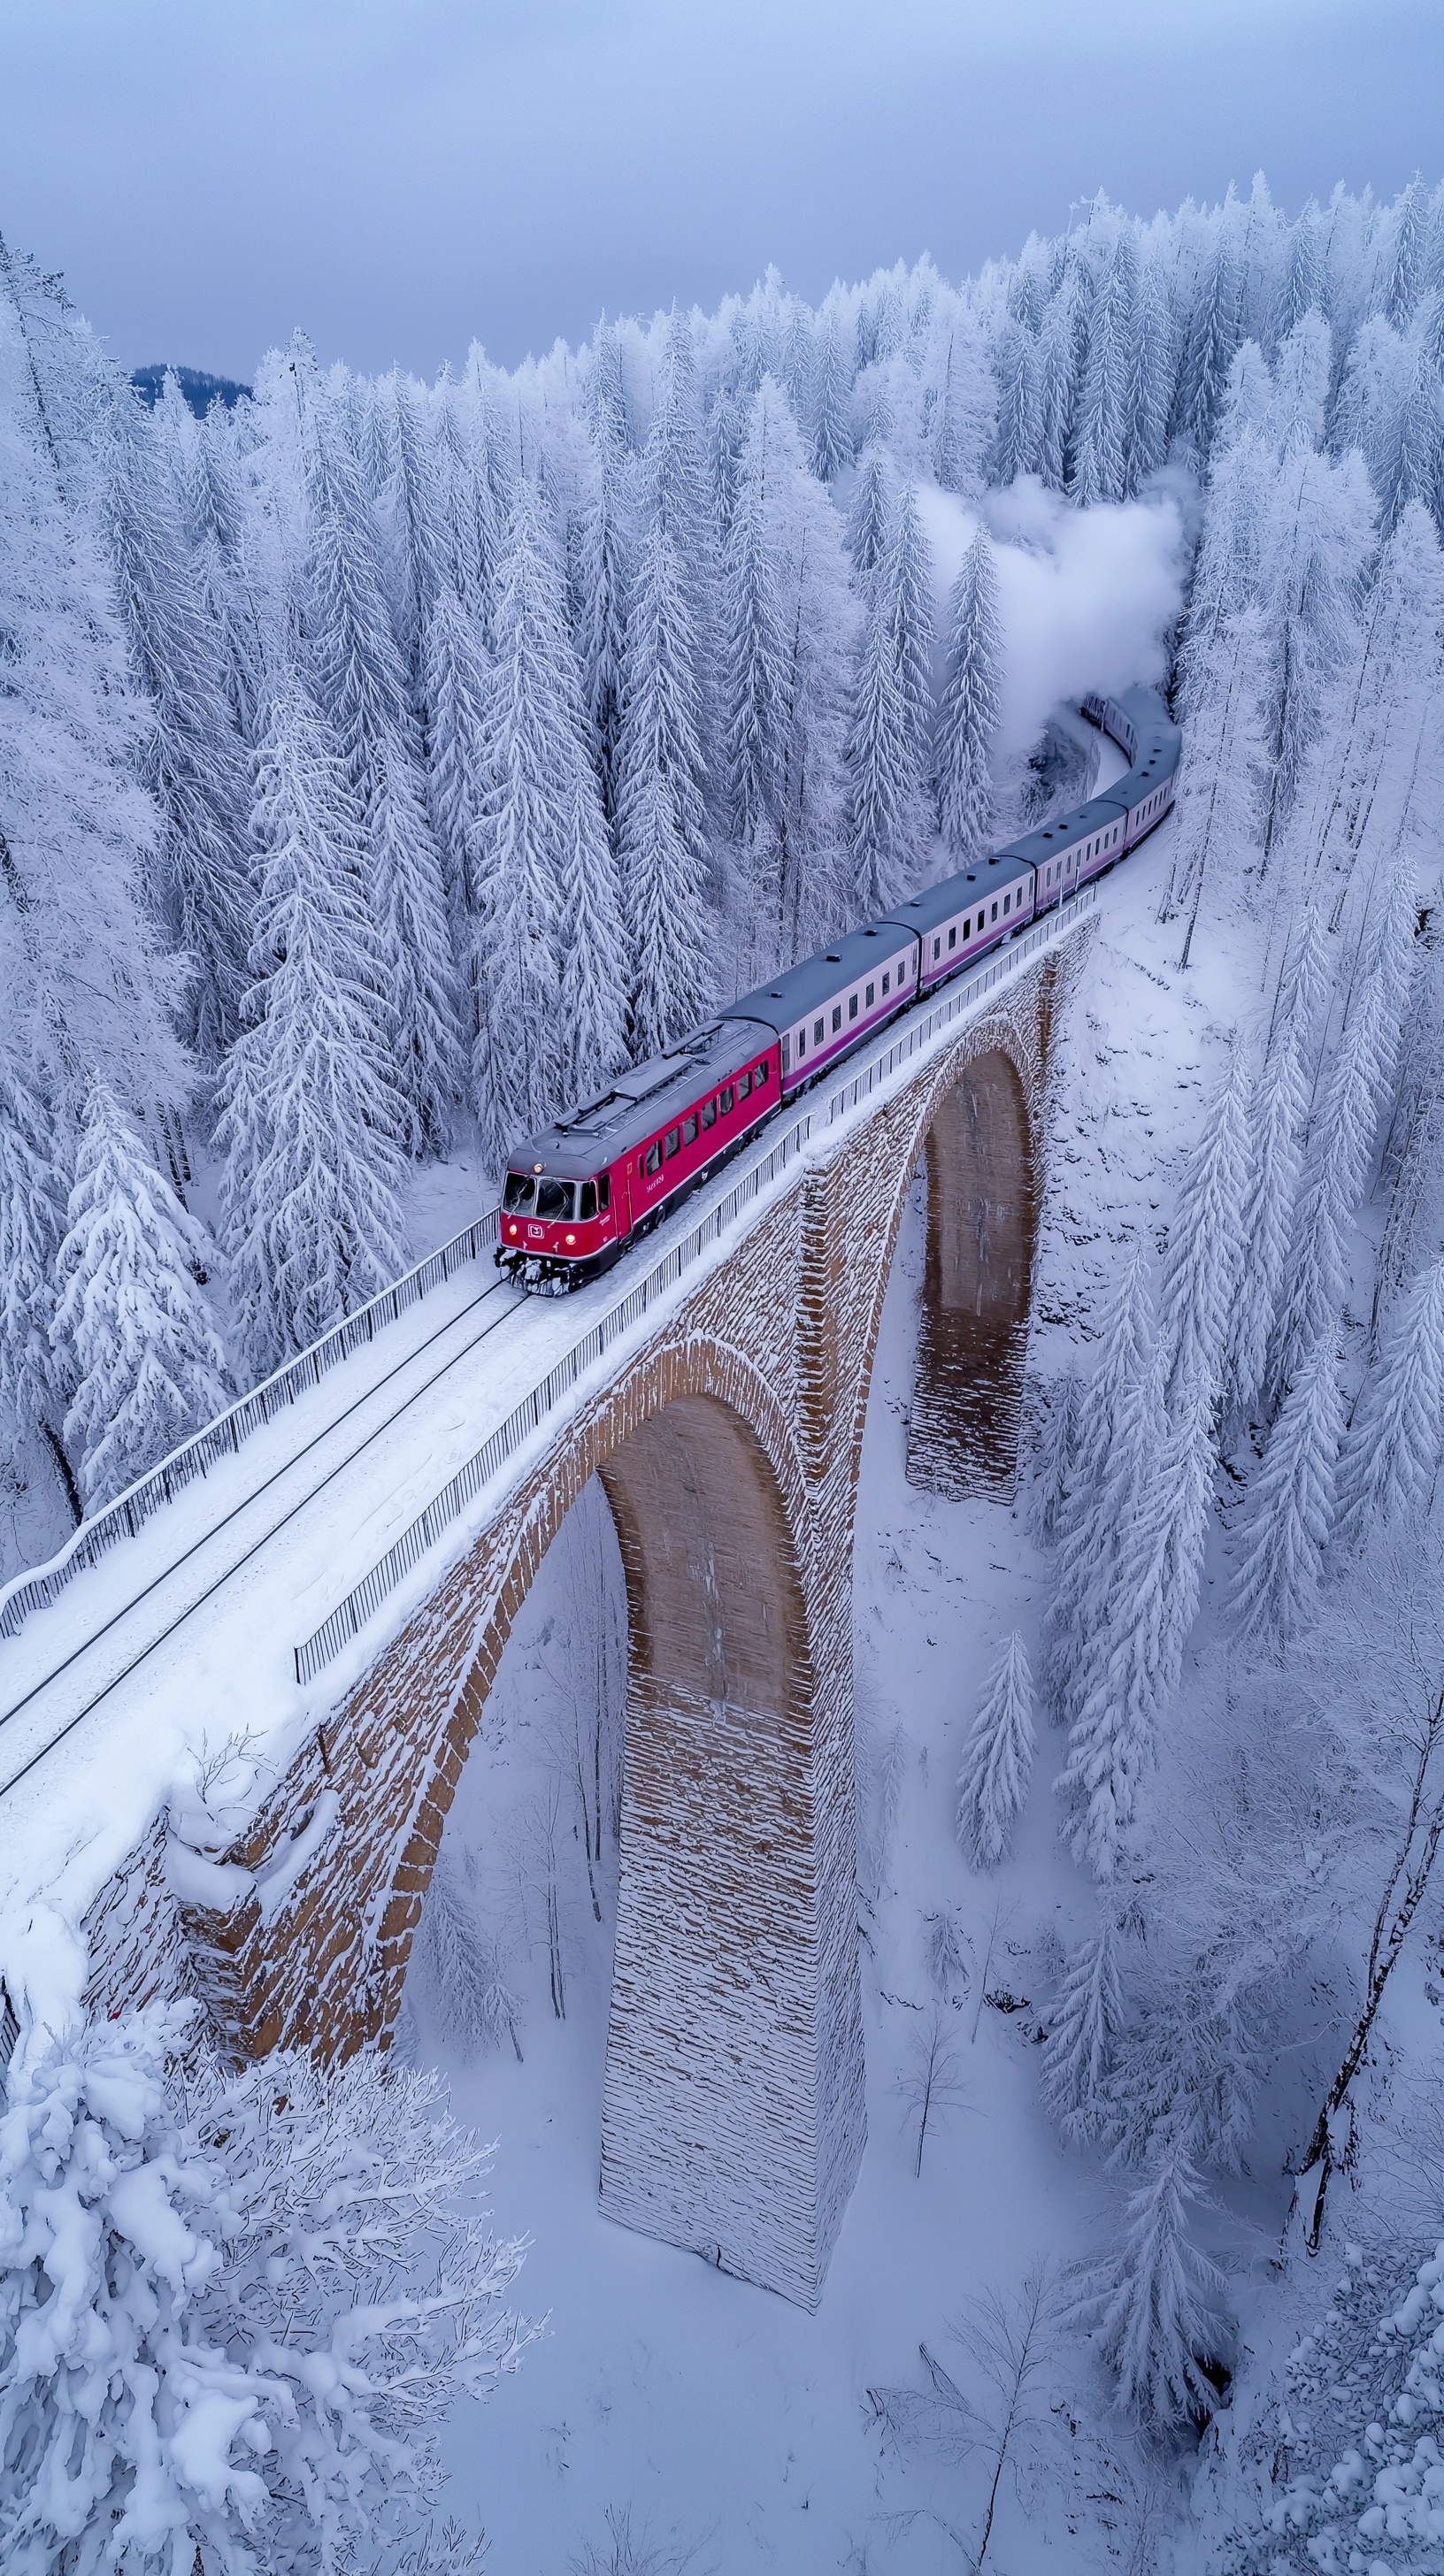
351,1614
222,1438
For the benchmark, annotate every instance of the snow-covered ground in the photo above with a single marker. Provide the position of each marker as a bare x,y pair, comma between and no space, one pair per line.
717,2414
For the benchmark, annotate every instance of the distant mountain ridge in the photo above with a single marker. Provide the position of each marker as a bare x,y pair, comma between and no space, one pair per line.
199,388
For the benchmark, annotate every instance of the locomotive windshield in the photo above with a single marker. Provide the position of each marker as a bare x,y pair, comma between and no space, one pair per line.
556,1198
520,1195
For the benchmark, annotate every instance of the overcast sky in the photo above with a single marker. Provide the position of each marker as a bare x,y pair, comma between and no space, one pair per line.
400,176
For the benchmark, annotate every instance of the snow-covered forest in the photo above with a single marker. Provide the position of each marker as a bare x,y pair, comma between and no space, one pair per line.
382,764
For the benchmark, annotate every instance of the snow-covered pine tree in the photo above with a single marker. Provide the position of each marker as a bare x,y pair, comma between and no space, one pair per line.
1120,1426
1391,1450
1130,1654
361,687
595,973
997,1759
661,813
1288,1517
1052,1459
1148,387
1276,1122
1099,454
1156,2302
1015,439
235,2307
194,760
832,394
537,766
889,818
1084,2021
1341,1145
1203,1266
1221,789
460,1967
33,1195
83,987
309,1114
135,1345
787,629
970,705
869,513
600,619
964,422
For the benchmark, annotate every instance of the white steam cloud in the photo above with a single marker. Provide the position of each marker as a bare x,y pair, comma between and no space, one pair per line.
1086,596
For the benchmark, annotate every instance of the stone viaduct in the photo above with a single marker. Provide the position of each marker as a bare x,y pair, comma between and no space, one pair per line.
728,1440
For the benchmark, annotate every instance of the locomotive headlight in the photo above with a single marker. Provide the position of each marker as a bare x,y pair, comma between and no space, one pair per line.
511,1230
571,1238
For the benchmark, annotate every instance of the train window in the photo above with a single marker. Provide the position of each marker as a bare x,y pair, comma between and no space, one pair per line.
1007,903
588,1204
744,1085
652,1159
802,1041
887,983
937,948
671,1141
604,1192
995,912
786,1055
556,1198
852,1006
520,1196
709,1113
817,1031
837,1019
759,1075
725,1098
870,995
967,930
953,936
689,1131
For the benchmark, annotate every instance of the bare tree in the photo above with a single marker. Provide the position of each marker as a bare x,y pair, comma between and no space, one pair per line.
1010,2339
931,2083
1394,1692
626,2552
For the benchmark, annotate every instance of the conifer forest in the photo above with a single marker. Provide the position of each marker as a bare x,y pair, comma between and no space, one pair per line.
384,765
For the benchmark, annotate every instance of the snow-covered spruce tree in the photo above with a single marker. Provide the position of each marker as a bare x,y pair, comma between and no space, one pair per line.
537,767
970,705
1392,1448
1156,2304
461,1967
1341,1145
133,1339
1083,2025
998,1759
1202,1268
869,513
591,999
832,394
84,990
194,759
1289,1514
1119,1429
889,822
599,615
1276,1122
1148,389
787,629
33,1193
309,1112
361,687
1052,1460
1130,1656
964,418
661,813
1099,458
234,2307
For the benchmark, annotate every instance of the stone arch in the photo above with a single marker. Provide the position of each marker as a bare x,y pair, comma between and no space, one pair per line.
982,1228
732,2104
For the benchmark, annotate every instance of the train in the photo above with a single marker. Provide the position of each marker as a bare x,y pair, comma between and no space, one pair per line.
583,1190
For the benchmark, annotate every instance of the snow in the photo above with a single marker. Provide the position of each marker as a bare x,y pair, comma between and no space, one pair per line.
712,2408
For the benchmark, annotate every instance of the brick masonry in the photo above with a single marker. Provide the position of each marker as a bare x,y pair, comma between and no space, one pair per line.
729,1448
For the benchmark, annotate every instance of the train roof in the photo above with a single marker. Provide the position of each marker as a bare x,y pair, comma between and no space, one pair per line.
920,912
804,987
640,1101
1050,838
